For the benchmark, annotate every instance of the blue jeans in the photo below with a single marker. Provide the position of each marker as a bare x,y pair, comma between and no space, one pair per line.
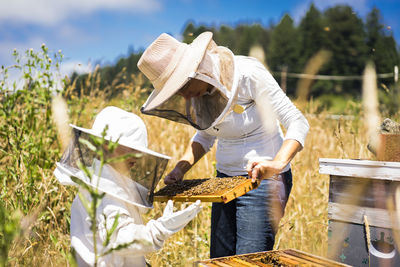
249,223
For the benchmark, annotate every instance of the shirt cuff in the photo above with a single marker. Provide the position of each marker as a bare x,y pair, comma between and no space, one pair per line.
205,140
298,131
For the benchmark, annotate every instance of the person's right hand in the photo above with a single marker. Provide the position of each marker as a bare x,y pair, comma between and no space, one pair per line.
174,176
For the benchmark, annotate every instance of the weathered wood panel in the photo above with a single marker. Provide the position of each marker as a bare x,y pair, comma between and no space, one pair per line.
355,214
360,191
360,168
389,149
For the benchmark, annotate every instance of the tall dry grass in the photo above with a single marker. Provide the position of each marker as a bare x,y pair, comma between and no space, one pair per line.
304,226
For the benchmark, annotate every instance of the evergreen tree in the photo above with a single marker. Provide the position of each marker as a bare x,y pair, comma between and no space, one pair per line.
345,38
191,32
249,35
381,47
188,32
337,29
311,35
239,40
226,36
284,50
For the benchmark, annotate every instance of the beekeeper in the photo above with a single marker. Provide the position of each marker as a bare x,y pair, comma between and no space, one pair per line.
129,191
236,100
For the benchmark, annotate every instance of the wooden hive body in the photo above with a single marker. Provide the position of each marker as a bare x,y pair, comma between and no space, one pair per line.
360,229
284,258
389,148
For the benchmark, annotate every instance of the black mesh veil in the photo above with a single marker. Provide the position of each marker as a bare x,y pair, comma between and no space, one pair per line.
144,169
200,112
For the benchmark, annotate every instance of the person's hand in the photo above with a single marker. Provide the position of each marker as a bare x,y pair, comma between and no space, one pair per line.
263,169
174,176
175,221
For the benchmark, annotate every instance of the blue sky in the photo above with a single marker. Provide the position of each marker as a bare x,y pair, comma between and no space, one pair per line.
90,31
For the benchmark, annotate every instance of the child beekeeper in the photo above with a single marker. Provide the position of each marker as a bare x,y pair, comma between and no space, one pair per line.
128,186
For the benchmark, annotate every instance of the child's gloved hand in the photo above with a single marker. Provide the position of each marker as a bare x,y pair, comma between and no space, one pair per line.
175,221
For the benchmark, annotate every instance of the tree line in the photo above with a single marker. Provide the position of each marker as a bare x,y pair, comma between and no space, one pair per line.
350,40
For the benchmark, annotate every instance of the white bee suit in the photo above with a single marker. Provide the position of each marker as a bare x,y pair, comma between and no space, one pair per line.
130,227
124,198
150,237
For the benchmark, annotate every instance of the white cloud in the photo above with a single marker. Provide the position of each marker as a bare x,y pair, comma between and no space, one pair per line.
7,47
45,12
72,34
67,68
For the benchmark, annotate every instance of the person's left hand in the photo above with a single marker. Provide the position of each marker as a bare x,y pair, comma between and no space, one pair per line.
175,221
263,169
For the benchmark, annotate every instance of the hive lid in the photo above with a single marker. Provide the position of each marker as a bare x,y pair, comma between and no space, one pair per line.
360,168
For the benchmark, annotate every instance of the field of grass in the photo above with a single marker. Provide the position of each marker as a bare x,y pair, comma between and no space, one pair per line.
33,200
305,224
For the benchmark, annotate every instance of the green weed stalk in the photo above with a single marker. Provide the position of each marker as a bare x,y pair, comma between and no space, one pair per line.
98,145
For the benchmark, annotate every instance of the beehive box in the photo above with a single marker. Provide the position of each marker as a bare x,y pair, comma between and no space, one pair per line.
389,148
359,191
206,189
287,257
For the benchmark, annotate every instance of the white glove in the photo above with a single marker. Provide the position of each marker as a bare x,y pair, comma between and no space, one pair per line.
175,221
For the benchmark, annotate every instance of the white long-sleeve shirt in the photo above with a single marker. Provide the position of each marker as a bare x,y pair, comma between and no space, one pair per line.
256,132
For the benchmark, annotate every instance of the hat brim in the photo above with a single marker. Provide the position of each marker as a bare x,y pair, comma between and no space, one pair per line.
121,142
191,59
